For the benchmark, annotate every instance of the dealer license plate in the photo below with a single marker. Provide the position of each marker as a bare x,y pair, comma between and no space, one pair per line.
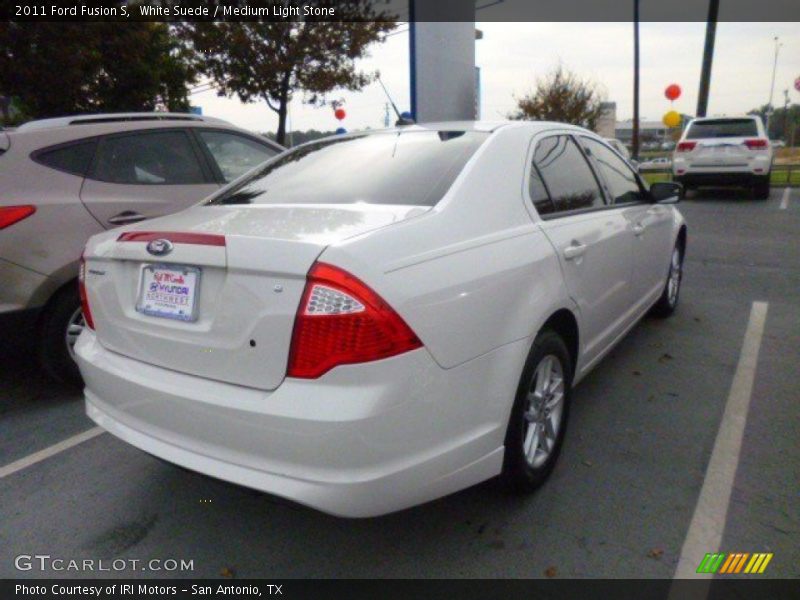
169,292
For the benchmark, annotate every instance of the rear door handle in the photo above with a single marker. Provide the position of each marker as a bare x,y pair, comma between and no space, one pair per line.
638,229
574,251
126,217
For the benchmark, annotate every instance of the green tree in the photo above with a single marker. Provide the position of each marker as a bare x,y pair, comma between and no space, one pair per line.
272,61
784,123
53,69
561,96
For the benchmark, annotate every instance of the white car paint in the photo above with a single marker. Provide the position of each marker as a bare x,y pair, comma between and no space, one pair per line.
475,277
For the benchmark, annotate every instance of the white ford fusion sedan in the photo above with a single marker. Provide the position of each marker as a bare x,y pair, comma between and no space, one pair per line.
375,320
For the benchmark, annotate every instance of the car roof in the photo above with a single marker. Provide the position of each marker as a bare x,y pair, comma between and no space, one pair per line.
116,118
725,118
481,126
35,135
489,126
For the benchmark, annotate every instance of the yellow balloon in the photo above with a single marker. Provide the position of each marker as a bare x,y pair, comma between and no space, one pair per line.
672,119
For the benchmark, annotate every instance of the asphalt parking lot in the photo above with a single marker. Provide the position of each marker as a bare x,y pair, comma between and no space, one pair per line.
620,502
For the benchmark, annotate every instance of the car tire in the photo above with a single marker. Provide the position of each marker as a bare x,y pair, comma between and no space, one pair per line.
668,301
60,325
761,190
539,416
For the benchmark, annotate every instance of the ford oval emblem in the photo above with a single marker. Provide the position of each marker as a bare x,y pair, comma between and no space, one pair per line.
160,247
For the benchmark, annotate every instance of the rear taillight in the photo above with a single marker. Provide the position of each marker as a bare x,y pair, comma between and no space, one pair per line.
13,214
756,143
686,146
342,321
87,314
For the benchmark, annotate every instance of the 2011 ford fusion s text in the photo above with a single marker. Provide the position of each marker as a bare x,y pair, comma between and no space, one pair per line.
374,320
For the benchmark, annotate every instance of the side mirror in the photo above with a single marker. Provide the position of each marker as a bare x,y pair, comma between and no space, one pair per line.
666,192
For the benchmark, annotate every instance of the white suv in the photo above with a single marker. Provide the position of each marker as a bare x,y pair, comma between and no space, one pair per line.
63,180
724,151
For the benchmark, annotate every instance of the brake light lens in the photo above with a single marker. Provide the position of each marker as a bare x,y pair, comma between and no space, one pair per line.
686,146
340,321
13,214
87,313
756,143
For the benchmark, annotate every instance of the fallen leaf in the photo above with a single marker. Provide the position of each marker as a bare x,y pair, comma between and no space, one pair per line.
637,373
227,572
666,357
655,553
588,463
550,572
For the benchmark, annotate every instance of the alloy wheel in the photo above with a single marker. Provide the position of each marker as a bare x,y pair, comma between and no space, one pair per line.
75,326
545,407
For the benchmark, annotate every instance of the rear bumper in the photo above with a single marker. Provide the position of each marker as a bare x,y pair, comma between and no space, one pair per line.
361,441
695,178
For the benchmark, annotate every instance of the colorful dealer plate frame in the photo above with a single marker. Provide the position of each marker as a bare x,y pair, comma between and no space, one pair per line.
169,292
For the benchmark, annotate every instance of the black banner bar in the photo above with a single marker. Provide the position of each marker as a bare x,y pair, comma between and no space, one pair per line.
405,589
395,10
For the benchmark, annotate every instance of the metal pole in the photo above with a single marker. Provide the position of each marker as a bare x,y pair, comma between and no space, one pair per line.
635,132
708,57
772,85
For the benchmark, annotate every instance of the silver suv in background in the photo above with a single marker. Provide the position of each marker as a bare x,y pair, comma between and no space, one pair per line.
724,151
64,180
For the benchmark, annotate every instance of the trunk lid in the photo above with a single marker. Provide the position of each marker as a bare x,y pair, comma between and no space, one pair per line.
722,152
250,265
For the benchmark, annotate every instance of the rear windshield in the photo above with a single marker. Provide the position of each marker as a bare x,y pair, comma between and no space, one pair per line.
720,128
407,167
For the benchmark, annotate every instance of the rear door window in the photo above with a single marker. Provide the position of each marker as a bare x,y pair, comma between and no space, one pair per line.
73,158
406,167
149,158
722,128
567,175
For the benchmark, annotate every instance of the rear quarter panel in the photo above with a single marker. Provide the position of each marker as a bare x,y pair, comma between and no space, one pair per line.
474,274
50,241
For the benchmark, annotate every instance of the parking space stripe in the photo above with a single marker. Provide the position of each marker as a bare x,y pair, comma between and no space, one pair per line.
41,455
785,199
708,522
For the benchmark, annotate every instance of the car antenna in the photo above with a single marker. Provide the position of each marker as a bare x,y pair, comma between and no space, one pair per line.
401,120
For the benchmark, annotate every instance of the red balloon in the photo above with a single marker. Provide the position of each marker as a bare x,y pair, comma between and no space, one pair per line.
673,91
339,113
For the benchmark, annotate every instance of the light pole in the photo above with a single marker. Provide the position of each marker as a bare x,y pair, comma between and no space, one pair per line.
635,132
772,85
708,58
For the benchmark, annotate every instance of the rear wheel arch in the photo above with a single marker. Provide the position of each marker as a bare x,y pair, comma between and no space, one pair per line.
564,323
52,333
681,239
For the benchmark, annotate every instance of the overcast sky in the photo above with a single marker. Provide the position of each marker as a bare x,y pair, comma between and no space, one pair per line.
512,55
